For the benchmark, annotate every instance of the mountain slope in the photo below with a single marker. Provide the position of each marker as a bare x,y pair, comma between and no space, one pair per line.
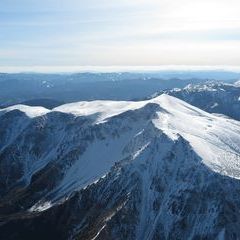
156,169
213,97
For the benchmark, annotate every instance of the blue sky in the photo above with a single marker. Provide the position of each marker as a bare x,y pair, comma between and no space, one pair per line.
61,33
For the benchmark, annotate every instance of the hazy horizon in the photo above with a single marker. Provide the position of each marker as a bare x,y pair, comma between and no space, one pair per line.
109,69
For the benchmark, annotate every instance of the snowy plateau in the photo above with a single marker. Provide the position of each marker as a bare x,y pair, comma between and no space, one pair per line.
143,170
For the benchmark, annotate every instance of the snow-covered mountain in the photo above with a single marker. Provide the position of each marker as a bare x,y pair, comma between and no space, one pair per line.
213,97
154,169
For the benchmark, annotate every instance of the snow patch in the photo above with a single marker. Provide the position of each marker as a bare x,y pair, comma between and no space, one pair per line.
40,207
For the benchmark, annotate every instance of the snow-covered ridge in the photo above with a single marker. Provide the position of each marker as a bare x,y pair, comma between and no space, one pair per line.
215,138
237,83
102,110
209,86
28,110
99,109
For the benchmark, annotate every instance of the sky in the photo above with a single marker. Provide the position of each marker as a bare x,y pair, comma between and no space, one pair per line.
72,33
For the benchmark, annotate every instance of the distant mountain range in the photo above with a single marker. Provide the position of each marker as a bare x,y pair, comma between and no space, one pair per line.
21,88
45,102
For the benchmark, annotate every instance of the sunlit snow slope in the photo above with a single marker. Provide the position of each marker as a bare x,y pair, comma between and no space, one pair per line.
214,138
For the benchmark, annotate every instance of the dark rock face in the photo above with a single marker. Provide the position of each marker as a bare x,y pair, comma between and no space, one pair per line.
142,199
46,147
